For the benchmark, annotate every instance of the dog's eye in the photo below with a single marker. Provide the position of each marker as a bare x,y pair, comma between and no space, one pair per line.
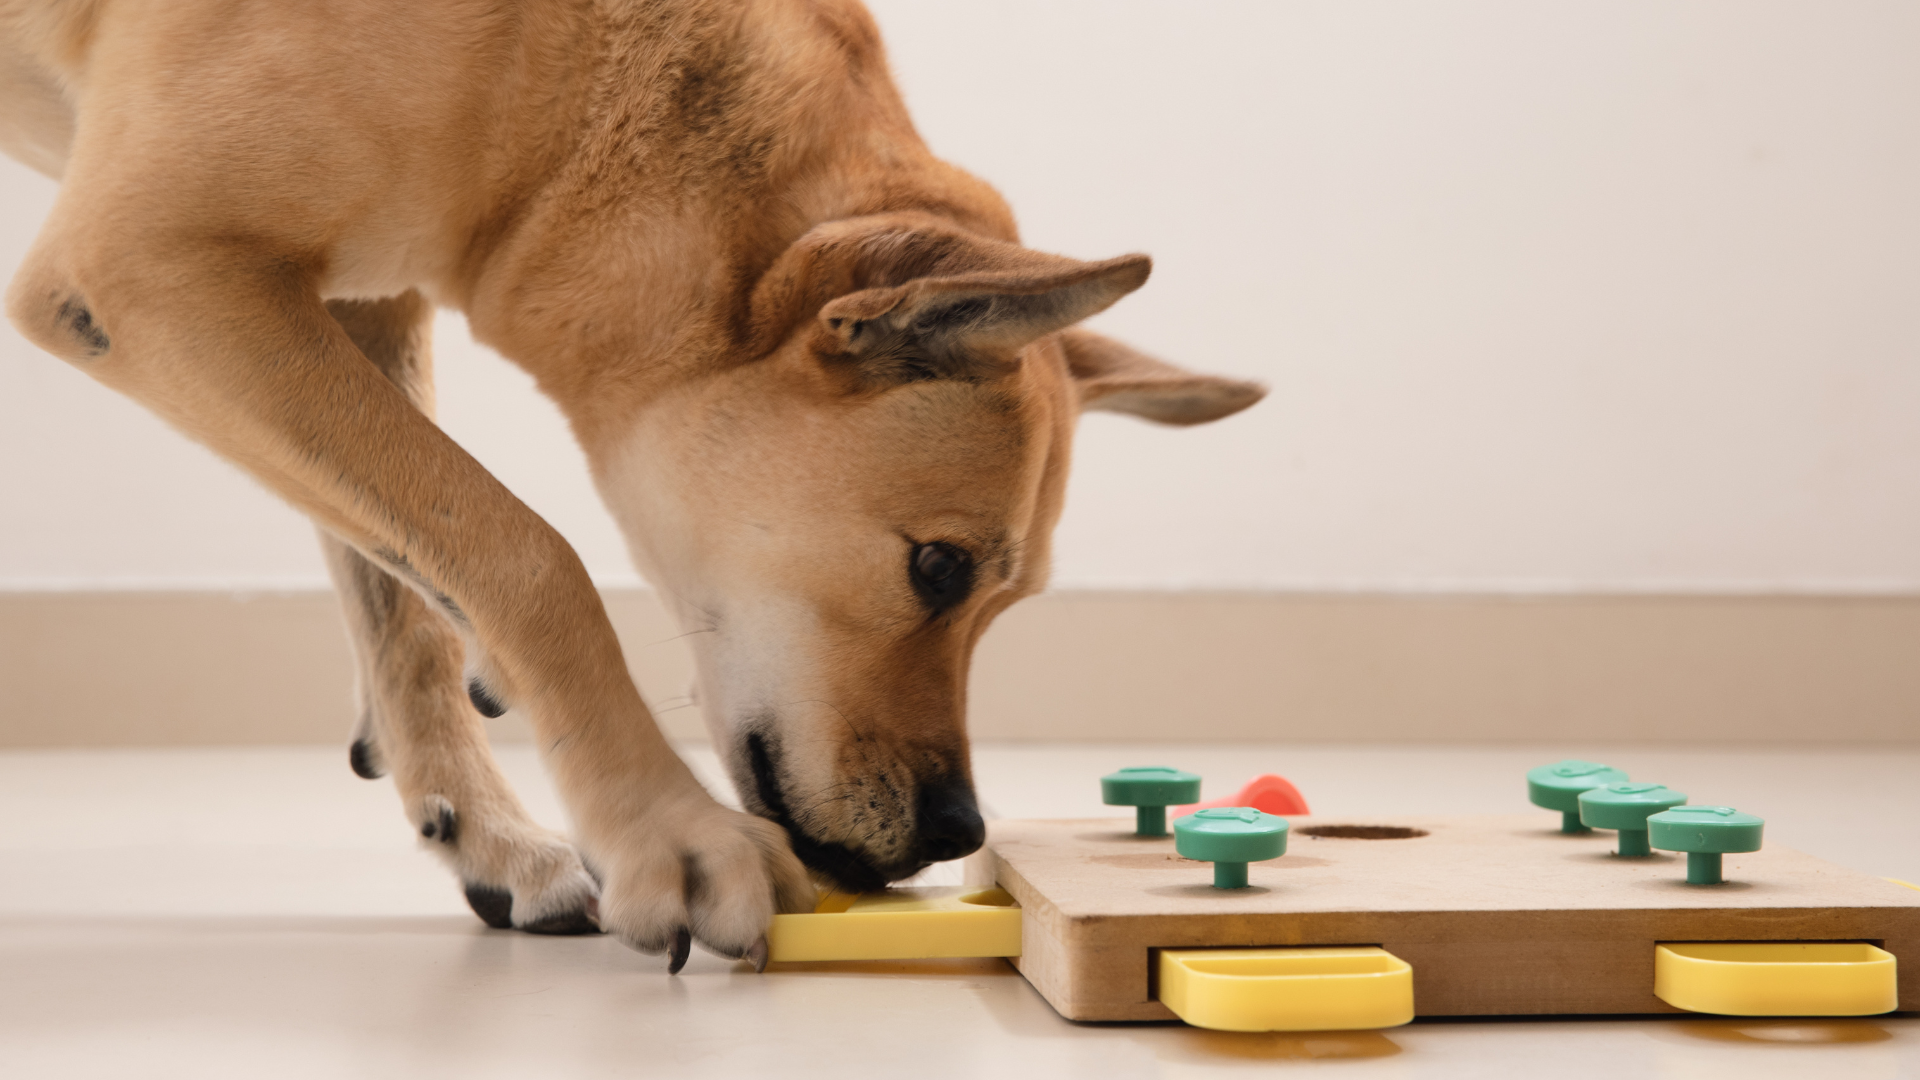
942,574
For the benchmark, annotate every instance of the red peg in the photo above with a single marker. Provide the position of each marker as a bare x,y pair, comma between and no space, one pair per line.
1269,794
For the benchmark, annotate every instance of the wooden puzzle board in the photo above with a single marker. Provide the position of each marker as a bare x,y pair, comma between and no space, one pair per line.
1498,915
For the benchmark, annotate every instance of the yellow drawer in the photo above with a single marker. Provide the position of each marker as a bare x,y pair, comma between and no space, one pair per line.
900,924
1293,989
1776,978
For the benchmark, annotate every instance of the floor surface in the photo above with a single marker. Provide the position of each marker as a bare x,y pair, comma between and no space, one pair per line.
263,913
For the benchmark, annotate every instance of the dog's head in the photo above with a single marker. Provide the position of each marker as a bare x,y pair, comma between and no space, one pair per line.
837,520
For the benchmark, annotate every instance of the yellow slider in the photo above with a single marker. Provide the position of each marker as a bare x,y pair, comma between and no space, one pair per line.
1776,978
1287,989
900,924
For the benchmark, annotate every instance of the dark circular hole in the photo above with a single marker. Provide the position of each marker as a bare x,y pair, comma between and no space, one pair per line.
1362,832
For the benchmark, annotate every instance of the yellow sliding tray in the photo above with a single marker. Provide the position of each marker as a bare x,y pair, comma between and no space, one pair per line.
1294,989
900,924
1776,978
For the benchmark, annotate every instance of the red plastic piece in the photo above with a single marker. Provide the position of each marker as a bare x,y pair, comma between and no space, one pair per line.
1269,793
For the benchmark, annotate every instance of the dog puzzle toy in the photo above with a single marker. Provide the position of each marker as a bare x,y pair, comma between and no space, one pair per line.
1626,808
1149,790
1704,833
1094,927
1230,837
1559,786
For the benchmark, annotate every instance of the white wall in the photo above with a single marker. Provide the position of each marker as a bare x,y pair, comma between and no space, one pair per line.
1592,296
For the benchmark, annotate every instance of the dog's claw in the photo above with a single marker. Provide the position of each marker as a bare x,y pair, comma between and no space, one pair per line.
682,946
494,906
757,956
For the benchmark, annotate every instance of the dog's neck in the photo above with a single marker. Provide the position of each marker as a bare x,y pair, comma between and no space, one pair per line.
700,152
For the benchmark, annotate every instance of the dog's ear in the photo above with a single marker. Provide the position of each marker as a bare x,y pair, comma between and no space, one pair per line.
971,325
1114,377
907,295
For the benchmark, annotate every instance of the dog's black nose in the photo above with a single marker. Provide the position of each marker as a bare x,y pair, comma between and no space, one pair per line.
949,821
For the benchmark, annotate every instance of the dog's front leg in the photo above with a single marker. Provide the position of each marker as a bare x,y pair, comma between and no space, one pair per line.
415,718
228,340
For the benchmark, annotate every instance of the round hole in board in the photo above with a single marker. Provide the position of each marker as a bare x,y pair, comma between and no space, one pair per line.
1362,832
989,898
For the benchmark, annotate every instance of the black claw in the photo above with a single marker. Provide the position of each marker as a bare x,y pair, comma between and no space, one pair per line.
682,947
446,828
488,705
579,921
361,757
494,906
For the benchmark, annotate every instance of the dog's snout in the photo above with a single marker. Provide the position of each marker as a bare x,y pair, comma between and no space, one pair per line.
949,821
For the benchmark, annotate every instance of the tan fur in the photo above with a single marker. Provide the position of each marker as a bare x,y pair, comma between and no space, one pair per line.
796,348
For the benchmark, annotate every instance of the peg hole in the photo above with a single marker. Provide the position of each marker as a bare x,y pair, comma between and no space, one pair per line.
1361,832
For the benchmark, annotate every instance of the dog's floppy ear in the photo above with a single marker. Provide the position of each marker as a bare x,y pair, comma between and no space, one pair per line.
970,325
1114,377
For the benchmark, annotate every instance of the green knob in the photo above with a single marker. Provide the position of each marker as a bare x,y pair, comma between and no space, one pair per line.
1151,789
1558,787
1705,833
1230,837
1627,807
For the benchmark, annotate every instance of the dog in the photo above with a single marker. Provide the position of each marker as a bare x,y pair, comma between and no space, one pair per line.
824,390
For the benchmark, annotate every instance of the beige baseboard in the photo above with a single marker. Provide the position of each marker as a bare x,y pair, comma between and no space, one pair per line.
93,669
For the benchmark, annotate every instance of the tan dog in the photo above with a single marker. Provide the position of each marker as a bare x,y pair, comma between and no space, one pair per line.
827,395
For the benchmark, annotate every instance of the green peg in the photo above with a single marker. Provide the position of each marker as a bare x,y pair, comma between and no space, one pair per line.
1627,807
1230,837
1705,833
1150,790
1558,787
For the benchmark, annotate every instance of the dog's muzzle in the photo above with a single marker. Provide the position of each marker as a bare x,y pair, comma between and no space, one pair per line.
947,825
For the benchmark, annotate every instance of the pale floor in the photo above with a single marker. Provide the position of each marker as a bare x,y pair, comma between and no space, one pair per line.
263,913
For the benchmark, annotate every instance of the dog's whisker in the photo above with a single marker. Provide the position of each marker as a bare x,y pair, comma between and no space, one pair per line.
688,634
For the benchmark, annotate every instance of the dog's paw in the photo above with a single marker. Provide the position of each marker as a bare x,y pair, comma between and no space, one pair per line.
516,875
696,871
